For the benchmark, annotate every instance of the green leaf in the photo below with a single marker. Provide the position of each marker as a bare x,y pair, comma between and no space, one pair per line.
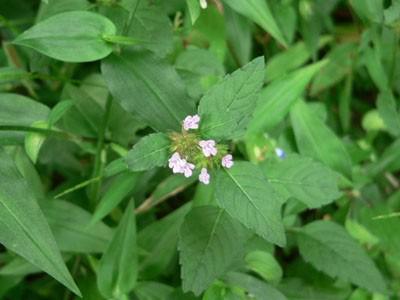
10,74
304,179
35,140
23,227
330,249
259,12
210,242
59,36
278,97
122,185
160,240
264,264
244,192
317,140
194,9
368,10
150,152
260,289
70,226
151,290
387,109
149,88
226,108
118,268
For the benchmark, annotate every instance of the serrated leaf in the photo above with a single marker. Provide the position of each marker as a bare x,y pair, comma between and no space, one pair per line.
227,107
150,152
59,38
209,243
149,88
278,97
244,192
118,268
330,249
304,179
23,227
317,140
259,12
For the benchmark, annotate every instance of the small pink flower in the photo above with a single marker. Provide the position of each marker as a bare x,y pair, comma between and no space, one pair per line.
175,163
204,177
208,148
191,122
187,168
227,161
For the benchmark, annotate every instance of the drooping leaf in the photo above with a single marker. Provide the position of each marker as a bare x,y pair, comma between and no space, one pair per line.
151,151
149,88
23,227
244,192
118,268
264,264
304,179
278,97
317,140
59,37
329,248
259,12
226,108
210,242
70,226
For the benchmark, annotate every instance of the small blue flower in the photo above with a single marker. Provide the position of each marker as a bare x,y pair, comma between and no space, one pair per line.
280,153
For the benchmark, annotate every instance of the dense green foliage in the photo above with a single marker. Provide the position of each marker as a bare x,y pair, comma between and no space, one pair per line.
200,149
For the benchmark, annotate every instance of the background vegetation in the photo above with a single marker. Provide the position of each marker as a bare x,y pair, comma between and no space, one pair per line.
90,95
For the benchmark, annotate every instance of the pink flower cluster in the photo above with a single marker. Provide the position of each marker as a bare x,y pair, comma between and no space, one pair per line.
180,165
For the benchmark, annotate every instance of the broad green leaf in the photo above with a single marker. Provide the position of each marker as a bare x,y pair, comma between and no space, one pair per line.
259,12
244,192
17,110
59,37
330,249
70,226
210,242
151,290
317,140
260,289
53,7
35,140
149,88
160,240
227,107
278,97
304,179
292,58
118,268
121,186
23,227
150,152
387,109
264,264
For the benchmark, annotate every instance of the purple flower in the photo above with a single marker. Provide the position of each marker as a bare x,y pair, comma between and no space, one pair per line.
187,168
175,163
204,177
191,122
208,148
280,153
227,161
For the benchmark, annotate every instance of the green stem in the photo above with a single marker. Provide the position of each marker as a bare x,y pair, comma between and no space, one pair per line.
119,39
77,187
98,164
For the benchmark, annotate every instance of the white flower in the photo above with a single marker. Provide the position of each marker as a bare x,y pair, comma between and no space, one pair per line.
208,148
191,122
280,152
175,163
204,177
203,4
187,168
227,161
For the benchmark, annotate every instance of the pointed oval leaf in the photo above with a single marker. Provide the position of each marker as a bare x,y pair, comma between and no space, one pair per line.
71,36
246,195
23,227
